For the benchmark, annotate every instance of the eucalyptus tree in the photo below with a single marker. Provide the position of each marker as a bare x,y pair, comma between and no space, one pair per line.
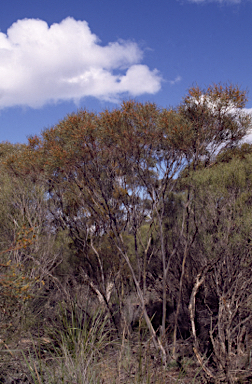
222,251
108,176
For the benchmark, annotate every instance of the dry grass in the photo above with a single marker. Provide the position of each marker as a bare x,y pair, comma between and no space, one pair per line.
85,350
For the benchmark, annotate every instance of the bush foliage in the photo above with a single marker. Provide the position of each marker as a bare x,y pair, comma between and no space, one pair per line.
130,230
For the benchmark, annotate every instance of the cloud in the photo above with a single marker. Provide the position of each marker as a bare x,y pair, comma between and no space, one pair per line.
66,61
218,1
248,138
176,80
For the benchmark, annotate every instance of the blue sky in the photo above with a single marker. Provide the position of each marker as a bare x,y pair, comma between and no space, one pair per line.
60,56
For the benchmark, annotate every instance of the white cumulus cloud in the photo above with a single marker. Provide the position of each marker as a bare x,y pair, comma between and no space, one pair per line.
248,138
217,1
41,64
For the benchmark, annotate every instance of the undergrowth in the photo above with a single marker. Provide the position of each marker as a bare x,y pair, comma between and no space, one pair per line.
82,348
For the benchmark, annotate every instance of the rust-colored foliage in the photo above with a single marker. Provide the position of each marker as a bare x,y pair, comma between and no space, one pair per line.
216,118
15,285
107,175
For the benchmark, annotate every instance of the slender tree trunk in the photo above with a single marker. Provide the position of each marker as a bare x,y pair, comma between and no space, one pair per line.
156,340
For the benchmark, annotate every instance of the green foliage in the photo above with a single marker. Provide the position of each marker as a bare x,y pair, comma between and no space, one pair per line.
133,202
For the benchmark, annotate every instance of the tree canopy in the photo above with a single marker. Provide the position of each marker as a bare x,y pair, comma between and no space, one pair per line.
146,201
